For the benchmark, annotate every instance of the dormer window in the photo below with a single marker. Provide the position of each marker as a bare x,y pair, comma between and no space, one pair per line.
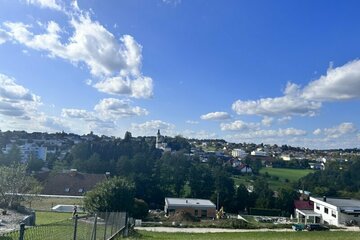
67,189
81,190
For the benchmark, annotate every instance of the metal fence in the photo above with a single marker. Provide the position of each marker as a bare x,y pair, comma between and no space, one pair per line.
100,226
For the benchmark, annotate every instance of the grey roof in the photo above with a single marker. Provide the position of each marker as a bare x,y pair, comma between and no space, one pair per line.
189,202
342,203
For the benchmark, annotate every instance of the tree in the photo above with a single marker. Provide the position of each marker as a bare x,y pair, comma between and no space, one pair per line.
34,164
285,200
13,182
241,198
201,181
264,195
112,195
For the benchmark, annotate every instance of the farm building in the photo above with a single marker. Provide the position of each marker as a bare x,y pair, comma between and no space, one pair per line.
201,208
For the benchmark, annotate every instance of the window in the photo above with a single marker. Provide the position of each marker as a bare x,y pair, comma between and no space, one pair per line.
317,207
326,210
81,190
196,212
204,213
67,189
333,213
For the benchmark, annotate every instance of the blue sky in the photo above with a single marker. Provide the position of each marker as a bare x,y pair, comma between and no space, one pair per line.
284,72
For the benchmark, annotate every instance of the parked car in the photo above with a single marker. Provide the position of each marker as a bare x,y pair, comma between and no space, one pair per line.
316,227
298,227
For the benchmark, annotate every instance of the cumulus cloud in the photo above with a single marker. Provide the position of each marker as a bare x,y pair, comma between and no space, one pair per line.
317,131
116,108
52,4
16,100
3,36
116,63
289,104
274,134
238,125
284,120
267,121
341,83
215,116
150,127
106,110
340,130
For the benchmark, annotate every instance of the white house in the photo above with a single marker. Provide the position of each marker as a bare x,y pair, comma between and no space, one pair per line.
336,211
238,153
259,153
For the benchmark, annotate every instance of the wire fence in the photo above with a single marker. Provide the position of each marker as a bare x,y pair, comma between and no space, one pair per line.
100,226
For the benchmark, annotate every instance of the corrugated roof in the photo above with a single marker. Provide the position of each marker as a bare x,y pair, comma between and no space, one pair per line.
189,202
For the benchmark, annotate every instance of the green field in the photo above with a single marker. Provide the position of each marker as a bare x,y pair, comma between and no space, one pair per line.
45,204
250,235
51,217
292,175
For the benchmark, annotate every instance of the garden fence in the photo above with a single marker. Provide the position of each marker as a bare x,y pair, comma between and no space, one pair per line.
100,226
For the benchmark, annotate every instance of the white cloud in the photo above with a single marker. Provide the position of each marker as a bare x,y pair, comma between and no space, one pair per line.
117,63
317,131
269,135
238,125
172,2
192,122
16,100
78,114
108,109
289,104
199,134
284,120
340,130
52,4
267,121
150,127
341,83
115,108
3,36
215,116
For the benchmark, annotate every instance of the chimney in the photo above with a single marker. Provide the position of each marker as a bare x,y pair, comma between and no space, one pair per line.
324,198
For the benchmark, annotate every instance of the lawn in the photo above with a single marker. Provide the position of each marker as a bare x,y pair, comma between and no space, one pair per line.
45,204
292,175
51,217
250,235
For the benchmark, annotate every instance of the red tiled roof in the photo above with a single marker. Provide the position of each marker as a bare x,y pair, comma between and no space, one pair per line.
304,205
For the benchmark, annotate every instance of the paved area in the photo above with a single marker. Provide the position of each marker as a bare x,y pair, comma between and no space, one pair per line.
217,230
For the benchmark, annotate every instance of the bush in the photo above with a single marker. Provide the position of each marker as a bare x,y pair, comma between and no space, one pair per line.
113,195
140,209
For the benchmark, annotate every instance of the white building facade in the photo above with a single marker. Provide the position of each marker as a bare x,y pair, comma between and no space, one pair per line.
336,211
238,153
